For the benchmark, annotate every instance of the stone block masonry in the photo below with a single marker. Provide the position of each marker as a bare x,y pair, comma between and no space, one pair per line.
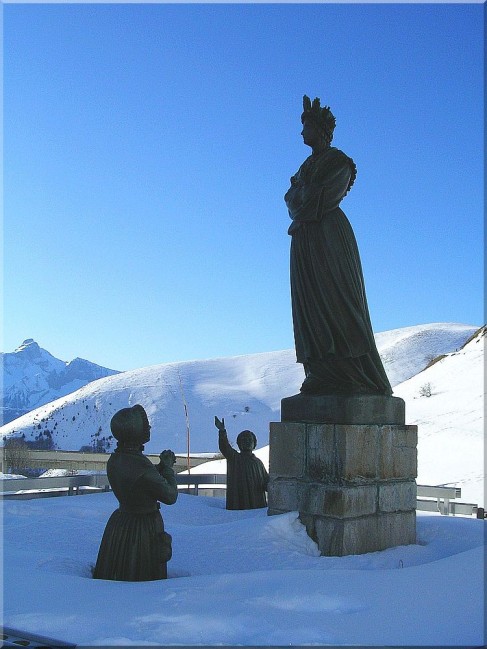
353,484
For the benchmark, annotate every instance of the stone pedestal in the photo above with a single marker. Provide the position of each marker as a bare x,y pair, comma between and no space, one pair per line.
352,479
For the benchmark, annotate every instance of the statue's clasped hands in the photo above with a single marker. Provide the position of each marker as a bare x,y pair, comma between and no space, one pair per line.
167,458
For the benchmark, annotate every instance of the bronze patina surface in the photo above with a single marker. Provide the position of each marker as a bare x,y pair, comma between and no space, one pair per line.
332,329
135,546
247,478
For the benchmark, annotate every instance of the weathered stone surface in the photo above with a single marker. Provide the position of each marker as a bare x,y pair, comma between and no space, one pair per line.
357,448
283,494
338,538
397,528
338,409
398,452
360,535
353,485
341,502
322,462
287,449
397,496
343,452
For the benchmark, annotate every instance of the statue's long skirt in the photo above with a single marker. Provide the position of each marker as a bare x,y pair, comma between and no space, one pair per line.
332,328
133,548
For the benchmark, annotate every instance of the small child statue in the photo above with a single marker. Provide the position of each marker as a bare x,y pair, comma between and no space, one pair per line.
247,478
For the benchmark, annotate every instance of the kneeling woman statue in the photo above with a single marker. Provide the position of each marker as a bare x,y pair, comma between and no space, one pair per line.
135,546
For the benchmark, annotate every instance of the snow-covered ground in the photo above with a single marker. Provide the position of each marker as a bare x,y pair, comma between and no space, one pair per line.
240,578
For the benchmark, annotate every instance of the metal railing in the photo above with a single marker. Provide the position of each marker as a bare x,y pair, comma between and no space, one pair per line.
439,499
70,484
429,497
196,481
11,488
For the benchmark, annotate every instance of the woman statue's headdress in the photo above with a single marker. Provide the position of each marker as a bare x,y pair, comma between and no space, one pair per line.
131,426
323,118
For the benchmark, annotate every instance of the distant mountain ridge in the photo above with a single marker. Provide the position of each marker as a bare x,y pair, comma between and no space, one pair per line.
246,390
33,377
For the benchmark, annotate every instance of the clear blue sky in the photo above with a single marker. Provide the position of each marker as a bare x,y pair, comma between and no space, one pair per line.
147,149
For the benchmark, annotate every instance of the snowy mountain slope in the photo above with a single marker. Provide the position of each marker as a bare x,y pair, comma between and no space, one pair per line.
246,390
450,421
405,352
33,377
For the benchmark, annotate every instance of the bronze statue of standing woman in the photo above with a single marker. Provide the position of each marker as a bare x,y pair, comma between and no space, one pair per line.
332,330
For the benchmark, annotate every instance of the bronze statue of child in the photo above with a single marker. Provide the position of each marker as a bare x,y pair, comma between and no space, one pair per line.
247,478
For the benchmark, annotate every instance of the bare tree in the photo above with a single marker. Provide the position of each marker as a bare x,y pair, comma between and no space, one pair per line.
15,454
426,390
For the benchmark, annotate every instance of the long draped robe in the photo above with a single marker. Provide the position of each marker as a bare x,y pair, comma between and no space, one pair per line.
247,477
135,546
332,329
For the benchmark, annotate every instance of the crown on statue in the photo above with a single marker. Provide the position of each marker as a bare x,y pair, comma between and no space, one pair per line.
322,117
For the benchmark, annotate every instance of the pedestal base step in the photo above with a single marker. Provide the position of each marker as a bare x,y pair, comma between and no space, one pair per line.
338,538
338,409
